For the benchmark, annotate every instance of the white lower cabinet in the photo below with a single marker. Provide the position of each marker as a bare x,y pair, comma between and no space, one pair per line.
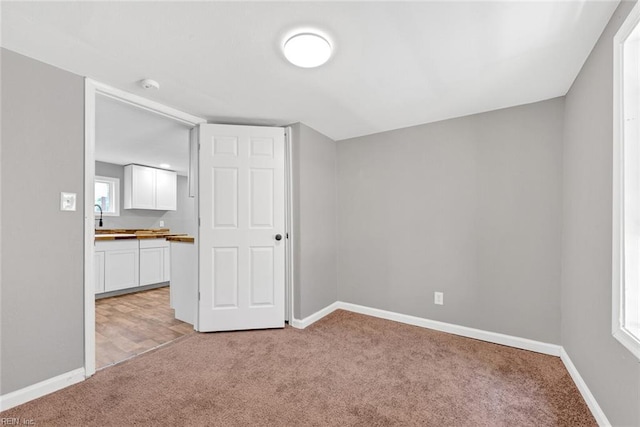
98,268
153,262
129,263
121,264
151,268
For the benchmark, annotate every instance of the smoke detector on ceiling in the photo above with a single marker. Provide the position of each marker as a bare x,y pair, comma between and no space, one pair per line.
149,84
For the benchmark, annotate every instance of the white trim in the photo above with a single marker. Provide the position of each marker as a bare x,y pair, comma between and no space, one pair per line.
464,331
307,321
194,191
617,310
93,88
627,339
596,410
289,226
146,104
618,179
89,227
18,397
493,337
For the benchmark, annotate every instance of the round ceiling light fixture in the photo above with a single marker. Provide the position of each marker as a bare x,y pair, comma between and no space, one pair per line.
307,50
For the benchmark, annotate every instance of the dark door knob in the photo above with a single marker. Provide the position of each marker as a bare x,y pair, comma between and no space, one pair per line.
278,237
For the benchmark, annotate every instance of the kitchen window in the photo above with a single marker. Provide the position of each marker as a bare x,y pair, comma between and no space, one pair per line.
626,184
107,196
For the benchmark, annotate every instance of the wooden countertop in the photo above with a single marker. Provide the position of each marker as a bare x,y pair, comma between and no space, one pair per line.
183,239
131,230
149,233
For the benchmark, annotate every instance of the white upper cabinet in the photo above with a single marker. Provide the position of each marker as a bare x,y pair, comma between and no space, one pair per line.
150,188
141,183
166,190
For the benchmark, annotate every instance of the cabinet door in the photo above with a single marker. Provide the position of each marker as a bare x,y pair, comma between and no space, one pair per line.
120,269
143,187
166,190
151,266
98,269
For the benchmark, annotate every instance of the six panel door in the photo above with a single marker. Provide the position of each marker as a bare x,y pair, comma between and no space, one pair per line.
242,232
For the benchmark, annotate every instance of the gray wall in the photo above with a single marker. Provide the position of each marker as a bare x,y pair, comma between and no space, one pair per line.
42,247
314,198
470,207
473,207
610,371
182,220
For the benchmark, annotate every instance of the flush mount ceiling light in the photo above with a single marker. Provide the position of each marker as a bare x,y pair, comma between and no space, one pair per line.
165,165
307,50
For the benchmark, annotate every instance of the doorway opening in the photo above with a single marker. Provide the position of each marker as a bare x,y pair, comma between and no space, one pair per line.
139,193
141,199
182,250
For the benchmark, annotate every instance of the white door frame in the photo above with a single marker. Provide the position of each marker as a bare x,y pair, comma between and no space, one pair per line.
92,89
288,225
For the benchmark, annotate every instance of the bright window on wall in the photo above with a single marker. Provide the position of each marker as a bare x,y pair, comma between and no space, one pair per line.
626,181
107,196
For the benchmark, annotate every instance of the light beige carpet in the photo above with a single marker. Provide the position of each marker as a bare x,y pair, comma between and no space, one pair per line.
346,369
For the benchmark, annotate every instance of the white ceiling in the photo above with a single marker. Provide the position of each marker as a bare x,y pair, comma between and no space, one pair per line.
396,64
127,134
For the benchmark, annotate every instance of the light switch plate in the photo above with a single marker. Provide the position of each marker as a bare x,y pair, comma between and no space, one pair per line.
67,201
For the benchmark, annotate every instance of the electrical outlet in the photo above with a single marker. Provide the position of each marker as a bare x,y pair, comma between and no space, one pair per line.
161,223
438,298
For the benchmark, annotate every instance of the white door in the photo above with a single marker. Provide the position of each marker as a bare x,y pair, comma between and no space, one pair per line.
242,230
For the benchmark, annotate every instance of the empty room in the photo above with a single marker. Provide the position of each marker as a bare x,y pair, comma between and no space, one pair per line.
313,213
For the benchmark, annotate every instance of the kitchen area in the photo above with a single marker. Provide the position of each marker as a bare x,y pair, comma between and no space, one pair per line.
145,257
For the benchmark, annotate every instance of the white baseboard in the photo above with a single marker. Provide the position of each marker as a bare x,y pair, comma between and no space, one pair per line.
24,395
596,410
479,334
492,337
301,324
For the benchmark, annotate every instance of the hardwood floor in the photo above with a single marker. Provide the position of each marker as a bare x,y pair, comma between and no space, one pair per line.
128,325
